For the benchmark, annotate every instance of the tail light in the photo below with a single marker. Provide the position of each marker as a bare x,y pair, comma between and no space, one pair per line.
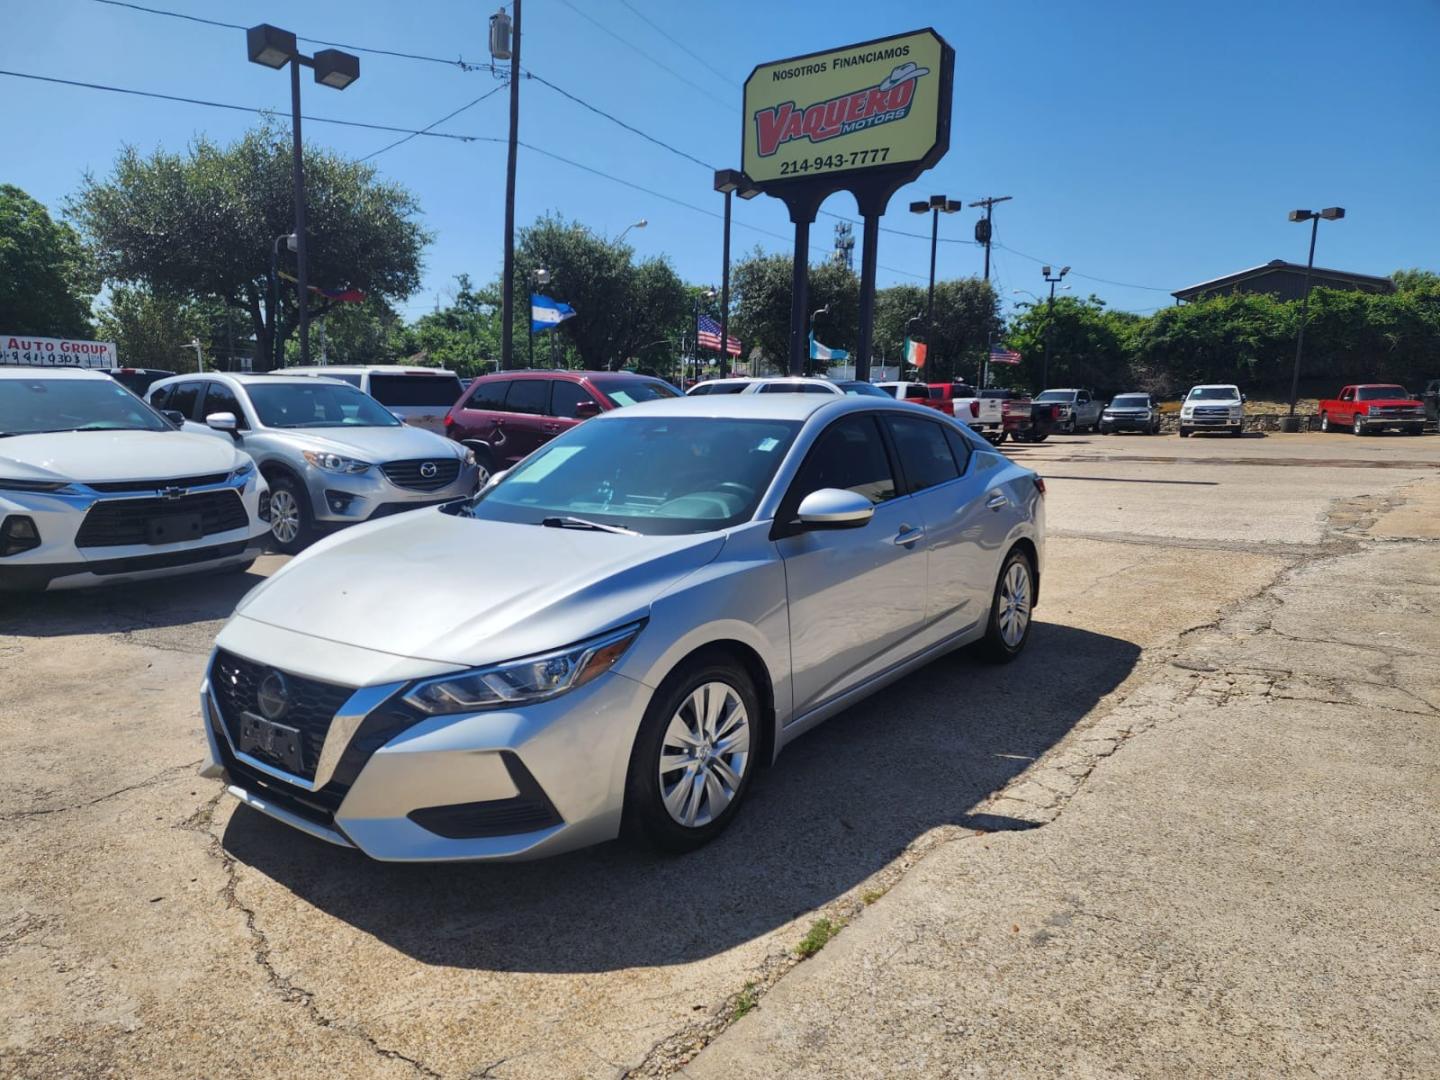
975,408
449,417
1040,484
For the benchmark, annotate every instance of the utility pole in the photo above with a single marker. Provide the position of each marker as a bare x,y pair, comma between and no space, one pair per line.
983,230
1050,321
501,50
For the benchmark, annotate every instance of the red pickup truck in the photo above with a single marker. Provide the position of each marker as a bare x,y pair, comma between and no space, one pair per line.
1370,407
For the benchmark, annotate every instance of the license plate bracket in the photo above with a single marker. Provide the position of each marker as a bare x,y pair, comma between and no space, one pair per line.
174,528
277,743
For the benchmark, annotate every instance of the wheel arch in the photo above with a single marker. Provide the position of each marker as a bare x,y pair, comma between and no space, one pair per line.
1032,552
754,664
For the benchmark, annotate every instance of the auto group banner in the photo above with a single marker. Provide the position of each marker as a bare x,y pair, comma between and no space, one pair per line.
16,349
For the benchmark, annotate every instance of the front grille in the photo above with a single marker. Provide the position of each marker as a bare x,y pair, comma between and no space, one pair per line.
1220,411
411,474
156,485
313,706
1397,410
113,522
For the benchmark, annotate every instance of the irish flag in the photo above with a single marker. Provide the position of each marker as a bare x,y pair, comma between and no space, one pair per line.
915,353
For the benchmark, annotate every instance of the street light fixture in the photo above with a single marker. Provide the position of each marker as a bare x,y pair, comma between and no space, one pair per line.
1054,280
1330,213
633,225
271,47
935,206
729,182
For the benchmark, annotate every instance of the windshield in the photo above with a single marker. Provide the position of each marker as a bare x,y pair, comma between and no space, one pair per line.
306,404
1214,393
441,391
624,391
862,389
656,475
1380,393
1131,401
29,406
1057,395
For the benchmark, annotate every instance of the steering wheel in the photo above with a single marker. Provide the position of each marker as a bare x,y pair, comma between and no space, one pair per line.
745,489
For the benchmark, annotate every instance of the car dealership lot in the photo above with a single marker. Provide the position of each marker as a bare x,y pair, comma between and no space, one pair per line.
1222,717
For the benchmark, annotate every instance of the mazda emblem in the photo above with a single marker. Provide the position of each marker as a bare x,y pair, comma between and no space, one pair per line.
428,470
273,695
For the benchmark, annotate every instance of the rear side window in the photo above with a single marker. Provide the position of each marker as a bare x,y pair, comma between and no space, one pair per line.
220,398
489,395
792,388
726,388
158,398
528,396
849,454
698,391
890,390
565,396
960,448
184,397
924,452
440,391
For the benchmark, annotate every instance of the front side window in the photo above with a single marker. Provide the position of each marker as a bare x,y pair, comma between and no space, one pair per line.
850,455
220,398
306,403
565,396
438,390
184,397
925,455
31,406
655,475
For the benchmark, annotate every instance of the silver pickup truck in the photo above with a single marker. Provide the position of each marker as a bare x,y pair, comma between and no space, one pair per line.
1079,409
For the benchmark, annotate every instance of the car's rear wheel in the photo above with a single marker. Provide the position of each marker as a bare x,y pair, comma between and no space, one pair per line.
695,755
1325,426
290,520
1009,627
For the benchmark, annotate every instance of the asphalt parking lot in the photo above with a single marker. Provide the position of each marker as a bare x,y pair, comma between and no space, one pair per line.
1192,830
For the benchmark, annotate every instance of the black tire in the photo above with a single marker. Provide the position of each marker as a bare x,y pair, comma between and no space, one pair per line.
647,817
994,647
1184,433
1107,431
992,438
1039,438
484,459
1326,427
1238,432
303,519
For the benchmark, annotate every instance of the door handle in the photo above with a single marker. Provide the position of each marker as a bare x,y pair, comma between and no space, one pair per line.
997,501
907,536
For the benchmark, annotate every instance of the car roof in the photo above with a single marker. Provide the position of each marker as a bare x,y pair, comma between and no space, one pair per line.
383,369
551,373
243,378
19,372
762,407
1215,386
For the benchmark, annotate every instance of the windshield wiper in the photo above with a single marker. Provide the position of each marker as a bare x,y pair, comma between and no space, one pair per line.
581,523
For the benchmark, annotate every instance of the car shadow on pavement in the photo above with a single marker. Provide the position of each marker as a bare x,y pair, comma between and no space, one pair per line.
118,609
840,804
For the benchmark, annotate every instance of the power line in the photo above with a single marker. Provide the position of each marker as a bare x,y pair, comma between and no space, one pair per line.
635,48
616,120
428,127
1087,277
678,44
233,108
459,62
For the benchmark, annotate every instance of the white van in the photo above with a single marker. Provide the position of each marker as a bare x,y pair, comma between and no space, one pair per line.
418,396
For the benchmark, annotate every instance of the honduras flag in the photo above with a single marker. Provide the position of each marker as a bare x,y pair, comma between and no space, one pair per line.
824,352
547,314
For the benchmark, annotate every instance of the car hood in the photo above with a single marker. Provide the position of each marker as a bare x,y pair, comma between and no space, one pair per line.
436,586
97,456
1217,403
374,444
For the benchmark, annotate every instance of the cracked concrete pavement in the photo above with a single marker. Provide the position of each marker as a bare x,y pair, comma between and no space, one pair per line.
1206,798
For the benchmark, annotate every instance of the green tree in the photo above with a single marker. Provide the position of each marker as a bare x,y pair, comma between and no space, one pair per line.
1091,346
967,315
152,330
201,225
47,278
463,336
760,290
619,305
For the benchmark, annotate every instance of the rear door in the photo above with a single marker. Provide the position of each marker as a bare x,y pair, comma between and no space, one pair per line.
474,419
856,596
521,426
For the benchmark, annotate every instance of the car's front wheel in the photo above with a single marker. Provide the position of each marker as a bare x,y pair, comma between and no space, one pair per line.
1014,599
695,755
290,522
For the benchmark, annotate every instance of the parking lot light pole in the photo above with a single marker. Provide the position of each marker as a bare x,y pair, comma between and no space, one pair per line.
271,47
289,238
729,182
1050,321
936,205
1330,213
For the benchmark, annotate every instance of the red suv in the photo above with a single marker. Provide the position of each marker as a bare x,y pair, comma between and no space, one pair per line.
504,417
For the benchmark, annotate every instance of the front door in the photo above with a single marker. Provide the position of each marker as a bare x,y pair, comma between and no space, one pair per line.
521,427
857,596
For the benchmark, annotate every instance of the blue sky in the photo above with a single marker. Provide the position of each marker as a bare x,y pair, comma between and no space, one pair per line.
1150,144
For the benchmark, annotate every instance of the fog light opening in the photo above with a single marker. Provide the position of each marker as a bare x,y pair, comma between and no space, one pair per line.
17,534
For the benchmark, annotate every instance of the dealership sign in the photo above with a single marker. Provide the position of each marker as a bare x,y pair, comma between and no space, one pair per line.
56,352
879,106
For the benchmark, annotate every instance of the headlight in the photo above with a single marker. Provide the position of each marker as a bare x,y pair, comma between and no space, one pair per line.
335,463
520,682
469,456
245,468
7,484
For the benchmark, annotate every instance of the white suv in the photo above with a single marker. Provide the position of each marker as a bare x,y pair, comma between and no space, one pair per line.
419,396
96,487
1213,407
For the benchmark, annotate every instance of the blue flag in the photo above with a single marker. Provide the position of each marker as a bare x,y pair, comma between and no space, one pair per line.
824,352
547,313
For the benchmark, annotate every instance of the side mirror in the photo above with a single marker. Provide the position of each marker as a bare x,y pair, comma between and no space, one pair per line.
584,410
222,421
175,416
834,508
1243,399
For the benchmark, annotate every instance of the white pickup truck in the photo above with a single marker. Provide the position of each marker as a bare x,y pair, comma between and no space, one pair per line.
982,410
1079,410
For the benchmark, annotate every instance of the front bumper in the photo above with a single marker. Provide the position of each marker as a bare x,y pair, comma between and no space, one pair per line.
339,499
496,785
1212,423
1399,423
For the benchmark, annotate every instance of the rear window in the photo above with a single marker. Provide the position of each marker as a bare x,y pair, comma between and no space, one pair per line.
721,388
890,390
438,390
624,391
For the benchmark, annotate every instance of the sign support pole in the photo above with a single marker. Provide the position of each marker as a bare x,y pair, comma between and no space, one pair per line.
870,238
800,299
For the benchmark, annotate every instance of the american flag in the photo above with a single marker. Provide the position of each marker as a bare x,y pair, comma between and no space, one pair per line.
1001,355
707,333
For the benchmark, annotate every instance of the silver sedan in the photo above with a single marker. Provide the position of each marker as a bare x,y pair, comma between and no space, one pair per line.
617,633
